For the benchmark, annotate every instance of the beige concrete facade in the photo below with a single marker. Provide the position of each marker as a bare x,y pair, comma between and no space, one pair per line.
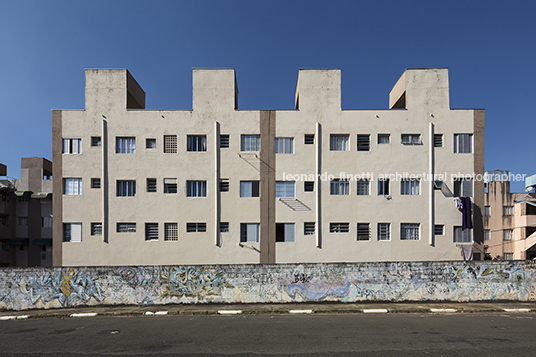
509,220
414,139
26,215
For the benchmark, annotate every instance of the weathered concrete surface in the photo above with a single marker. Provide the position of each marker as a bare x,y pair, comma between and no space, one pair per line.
29,288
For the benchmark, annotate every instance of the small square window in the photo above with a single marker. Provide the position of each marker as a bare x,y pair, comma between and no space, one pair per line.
96,229
224,185
170,185
439,230
150,143
196,143
224,141
309,186
126,227
309,228
170,144
339,227
95,141
224,227
411,139
151,231
384,231
171,231
309,139
438,140
151,185
196,227
384,138
363,231
363,143
95,183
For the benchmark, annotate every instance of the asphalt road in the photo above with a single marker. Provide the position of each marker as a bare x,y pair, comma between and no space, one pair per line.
479,334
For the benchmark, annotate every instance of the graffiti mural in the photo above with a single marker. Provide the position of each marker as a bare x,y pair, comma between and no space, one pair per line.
66,288
193,282
145,285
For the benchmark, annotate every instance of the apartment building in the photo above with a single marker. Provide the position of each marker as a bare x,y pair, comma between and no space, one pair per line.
218,185
26,215
509,218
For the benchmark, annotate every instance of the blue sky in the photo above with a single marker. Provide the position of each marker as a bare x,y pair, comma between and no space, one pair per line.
488,46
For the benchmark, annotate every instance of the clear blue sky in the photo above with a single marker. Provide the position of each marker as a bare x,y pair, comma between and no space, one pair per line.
488,46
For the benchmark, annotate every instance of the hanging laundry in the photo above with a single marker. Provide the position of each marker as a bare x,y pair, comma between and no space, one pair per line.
458,203
467,252
466,213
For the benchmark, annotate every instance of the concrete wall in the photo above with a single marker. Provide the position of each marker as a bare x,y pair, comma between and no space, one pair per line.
29,288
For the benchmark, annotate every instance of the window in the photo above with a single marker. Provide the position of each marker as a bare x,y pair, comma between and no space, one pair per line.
384,138
339,227
284,232
96,229
46,222
196,188
363,187
409,187
249,188
125,145
508,210
151,185
249,232
72,232
196,227
171,231
508,256
126,227
22,199
170,185
196,143
409,231
224,227
487,234
465,236
383,187
363,142
508,234
284,146
487,211
285,189
23,221
363,231
339,187
339,142
309,139
151,231
224,141
439,230
150,143
309,186
72,146
170,144
126,188
463,187
411,139
463,143
72,186
438,140
224,185
250,143
384,231
309,228
95,141
95,183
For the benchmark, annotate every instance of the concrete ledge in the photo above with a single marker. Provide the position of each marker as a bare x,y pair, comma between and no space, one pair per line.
85,314
229,312
375,311
516,310
443,310
300,311
19,317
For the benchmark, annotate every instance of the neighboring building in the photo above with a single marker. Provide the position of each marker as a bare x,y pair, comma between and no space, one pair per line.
509,218
216,185
26,215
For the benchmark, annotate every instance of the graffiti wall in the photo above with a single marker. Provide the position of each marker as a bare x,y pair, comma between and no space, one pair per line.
31,288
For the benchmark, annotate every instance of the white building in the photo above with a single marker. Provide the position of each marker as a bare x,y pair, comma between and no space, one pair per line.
219,185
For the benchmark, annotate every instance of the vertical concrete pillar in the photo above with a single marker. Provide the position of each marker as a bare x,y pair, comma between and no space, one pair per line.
57,189
267,187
